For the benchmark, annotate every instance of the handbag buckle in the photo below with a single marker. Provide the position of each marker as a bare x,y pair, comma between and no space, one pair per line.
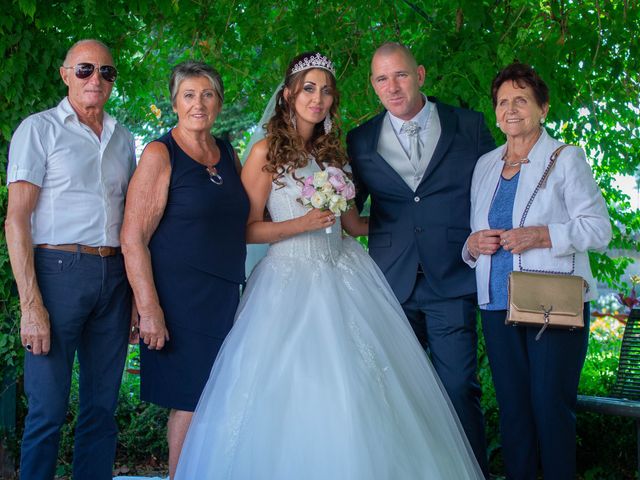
547,315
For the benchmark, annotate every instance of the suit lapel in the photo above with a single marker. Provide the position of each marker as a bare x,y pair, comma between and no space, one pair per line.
377,159
448,125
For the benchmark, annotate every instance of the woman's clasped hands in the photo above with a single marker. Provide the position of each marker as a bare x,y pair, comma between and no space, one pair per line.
516,240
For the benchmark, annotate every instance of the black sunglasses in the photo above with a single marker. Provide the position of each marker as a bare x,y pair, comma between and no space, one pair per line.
85,70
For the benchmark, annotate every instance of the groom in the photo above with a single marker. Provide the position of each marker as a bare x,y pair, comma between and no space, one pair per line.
415,160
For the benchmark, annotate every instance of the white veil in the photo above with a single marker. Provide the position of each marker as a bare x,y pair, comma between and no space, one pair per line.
256,251
259,133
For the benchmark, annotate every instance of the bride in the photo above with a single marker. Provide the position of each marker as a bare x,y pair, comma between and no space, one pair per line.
321,376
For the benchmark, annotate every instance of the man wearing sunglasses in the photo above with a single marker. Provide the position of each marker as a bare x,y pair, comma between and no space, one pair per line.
69,168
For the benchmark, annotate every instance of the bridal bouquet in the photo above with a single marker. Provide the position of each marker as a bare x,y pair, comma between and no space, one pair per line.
329,189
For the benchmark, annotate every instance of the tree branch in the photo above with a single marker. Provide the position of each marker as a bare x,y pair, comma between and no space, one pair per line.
418,10
595,53
504,35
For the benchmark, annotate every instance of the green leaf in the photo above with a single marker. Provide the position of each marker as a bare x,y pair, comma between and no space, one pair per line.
28,7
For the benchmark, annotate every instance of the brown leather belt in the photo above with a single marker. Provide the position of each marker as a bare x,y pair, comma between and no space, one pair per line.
76,247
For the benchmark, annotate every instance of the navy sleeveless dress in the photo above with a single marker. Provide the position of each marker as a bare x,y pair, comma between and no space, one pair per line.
197,254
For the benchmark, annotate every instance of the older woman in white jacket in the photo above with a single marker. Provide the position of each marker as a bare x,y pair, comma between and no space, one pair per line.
536,381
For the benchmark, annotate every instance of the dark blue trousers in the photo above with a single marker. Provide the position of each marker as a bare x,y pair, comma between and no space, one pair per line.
536,387
446,327
89,304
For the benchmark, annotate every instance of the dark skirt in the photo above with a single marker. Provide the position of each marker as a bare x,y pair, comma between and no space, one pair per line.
199,313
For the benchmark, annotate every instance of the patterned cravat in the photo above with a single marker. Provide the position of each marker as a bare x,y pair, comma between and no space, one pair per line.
412,130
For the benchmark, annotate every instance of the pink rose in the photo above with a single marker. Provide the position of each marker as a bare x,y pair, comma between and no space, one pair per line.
349,191
338,181
308,190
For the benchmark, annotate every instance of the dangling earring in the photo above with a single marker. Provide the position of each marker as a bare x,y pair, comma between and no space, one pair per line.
541,120
292,117
327,124
498,124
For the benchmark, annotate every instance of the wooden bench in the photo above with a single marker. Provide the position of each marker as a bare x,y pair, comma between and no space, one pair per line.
624,399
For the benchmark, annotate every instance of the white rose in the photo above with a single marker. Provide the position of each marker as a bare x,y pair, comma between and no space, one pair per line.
320,178
327,188
318,200
337,204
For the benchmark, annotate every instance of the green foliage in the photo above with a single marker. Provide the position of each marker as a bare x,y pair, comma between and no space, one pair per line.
11,352
143,427
143,437
601,364
606,443
489,404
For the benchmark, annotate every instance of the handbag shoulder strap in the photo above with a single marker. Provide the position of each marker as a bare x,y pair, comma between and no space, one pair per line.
541,184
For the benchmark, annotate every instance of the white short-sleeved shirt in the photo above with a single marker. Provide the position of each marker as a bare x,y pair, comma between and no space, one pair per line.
83,179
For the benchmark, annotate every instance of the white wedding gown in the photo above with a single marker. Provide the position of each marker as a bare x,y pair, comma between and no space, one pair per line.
321,377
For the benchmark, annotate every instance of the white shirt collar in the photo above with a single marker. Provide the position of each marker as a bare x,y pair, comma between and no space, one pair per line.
65,111
421,118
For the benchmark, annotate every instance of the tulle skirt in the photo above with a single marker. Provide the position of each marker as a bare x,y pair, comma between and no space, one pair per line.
322,378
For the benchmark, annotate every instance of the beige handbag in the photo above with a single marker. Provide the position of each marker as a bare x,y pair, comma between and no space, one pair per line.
544,298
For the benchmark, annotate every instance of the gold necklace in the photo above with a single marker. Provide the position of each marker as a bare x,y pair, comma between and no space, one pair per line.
522,160
516,163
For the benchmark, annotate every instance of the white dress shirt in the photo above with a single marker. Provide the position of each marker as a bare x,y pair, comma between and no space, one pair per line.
395,148
570,205
422,119
83,179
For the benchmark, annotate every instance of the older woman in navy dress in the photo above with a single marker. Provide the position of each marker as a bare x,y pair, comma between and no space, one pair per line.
184,244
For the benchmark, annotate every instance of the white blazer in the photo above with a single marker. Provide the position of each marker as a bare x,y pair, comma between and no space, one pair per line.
570,205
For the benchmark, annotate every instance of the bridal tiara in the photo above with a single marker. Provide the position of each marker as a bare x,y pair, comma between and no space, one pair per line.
314,61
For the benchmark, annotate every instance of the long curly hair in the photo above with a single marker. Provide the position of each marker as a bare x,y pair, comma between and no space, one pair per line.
287,149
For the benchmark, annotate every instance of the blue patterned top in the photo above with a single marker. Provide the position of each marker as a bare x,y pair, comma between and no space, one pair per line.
500,216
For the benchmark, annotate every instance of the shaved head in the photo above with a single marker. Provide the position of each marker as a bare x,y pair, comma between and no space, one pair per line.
84,42
397,79
390,48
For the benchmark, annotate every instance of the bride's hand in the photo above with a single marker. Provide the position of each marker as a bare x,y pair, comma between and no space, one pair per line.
316,219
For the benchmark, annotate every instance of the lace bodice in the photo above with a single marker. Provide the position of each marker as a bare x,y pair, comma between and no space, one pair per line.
283,205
